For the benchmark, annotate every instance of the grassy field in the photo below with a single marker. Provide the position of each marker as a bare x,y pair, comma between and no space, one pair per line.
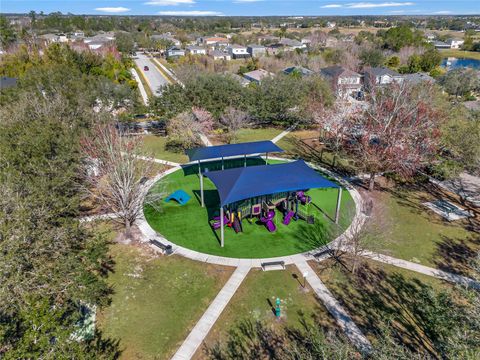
144,82
460,54
248,135
411,231
381,293
155,146
156,300
188,225
256,297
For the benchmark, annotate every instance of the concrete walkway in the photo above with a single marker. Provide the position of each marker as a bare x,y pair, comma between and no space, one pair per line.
335,309
143,93
91,218
283,133
208,319
422,269
204,139
158,161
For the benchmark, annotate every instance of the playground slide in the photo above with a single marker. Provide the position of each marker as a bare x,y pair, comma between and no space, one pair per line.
237,226
216,223
270,226
288,218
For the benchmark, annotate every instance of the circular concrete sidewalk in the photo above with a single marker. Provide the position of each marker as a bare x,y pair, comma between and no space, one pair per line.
149,233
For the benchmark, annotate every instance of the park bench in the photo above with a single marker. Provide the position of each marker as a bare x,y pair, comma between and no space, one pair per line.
273,265
323,253
164,248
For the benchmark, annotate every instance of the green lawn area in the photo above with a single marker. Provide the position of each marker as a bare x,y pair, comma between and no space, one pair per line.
378,293
248,135
155,146
256,296
460,54
188,225
156,300
412,232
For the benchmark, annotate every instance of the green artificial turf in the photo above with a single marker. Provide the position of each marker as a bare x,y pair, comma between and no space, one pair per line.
189,226
156,300
155,146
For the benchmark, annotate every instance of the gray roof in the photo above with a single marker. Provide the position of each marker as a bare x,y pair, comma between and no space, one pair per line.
336,71
6,82
290,42
255,46
194,47
381,71
303,71
418,77
219,53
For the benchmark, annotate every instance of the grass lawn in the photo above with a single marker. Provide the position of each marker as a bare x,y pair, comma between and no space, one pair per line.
460,54
380,292
155,146
188,225
144,83
256,297
412,232
156,300
249,135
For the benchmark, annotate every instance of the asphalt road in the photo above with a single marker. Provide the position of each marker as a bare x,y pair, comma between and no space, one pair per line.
155,78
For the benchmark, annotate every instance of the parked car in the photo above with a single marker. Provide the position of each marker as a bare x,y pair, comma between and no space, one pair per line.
145,68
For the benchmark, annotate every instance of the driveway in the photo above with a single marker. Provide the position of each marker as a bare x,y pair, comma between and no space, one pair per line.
155,78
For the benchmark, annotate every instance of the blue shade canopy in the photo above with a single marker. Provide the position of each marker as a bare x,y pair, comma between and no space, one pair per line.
248,148
247,182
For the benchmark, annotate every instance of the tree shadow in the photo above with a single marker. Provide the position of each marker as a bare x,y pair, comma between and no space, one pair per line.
455,255
373,296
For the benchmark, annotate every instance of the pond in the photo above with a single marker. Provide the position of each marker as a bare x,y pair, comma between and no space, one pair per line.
454,63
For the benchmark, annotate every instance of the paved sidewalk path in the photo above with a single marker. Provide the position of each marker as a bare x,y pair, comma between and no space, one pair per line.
205,140
283,133
440,274
203,326
99,217
140,86
158,161
336,310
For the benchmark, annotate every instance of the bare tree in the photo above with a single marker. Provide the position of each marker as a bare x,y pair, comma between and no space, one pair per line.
115,173
399,131
234,120
184,130
205,118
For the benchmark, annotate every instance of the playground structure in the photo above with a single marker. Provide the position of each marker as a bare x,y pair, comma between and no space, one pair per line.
265,208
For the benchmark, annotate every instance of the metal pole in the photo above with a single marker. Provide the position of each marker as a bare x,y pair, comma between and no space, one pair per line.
201,183
339,200
266,158
244,160
221,226
222,162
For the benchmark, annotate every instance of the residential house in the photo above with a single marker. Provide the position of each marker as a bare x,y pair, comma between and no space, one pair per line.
292,44
268,39
380,76
174,52
301,71
306,41
166,37
238,51
244,82
449,44
418,78
213,42
430,37
344,82
256,50
49,38
275,49
220,55
256,76
196,50
331,24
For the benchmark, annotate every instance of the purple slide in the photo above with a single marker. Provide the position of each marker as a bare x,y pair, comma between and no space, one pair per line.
216,223
288,218
268,221
303,197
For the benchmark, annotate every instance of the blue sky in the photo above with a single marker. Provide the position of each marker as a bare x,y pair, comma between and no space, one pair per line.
245,7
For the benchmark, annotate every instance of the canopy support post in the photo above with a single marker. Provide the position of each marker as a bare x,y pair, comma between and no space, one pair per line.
201,183
222,163
245,160
221,226
339,200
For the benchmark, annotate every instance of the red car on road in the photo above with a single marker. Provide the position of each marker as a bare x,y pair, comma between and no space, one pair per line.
145,68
